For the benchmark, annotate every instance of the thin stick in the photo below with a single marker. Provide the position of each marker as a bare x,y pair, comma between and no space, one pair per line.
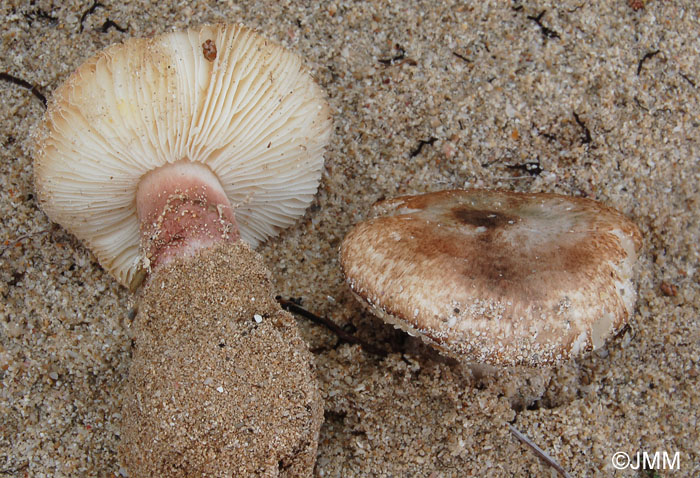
539,451
290,306
24,84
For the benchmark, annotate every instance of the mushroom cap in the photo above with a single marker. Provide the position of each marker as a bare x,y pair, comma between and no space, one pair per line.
496,277
219,95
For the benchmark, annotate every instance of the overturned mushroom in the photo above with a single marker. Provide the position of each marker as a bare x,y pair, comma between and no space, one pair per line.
159,154
496,277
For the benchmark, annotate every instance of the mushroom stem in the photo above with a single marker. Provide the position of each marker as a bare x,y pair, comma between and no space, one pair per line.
221,382
182,208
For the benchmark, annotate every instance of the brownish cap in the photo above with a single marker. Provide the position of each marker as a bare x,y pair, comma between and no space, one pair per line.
496,277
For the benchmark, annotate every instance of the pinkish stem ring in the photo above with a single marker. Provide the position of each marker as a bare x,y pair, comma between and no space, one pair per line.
182,208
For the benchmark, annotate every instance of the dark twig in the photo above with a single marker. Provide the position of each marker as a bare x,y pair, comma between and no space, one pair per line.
290,306
110,24
89,11
546,31
24,84
461,57
586,132
687,78
422,143
647,55
539,451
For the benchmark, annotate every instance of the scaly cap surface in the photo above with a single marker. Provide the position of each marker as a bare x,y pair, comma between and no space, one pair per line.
496,277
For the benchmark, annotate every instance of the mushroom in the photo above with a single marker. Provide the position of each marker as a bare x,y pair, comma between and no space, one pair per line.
170,157
496,277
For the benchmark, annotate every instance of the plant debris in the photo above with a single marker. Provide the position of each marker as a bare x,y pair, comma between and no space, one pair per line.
87,12
39,14
110,24
422,143
461,57
586,132
539,451
18,240
24,84
293,306
546,31
397,59
647,55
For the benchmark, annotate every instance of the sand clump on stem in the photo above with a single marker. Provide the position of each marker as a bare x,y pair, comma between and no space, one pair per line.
214,400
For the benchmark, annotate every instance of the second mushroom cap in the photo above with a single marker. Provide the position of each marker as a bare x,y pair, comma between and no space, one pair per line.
496,277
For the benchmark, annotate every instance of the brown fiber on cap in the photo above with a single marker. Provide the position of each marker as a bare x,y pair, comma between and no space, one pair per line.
496,277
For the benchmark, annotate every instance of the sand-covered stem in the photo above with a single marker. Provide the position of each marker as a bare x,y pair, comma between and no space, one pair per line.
221,383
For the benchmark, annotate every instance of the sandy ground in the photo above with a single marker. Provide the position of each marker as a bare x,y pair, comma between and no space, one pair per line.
599,100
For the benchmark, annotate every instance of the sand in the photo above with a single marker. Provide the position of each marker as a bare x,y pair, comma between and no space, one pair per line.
597,101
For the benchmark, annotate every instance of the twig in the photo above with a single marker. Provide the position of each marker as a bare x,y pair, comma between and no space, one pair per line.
647,55
87,12
461,57
586,132
110,24
539,451
290,306
24,84
546,31
687,78
422,143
